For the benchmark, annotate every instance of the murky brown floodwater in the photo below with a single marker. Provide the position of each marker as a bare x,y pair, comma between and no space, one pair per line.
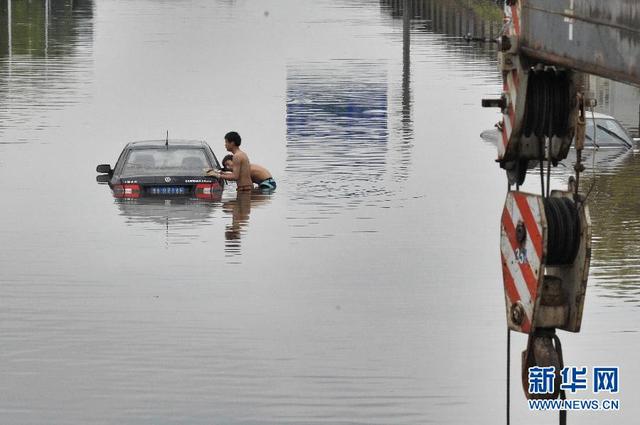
367,289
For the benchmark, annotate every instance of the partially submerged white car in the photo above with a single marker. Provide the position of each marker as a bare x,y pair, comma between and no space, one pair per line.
604,131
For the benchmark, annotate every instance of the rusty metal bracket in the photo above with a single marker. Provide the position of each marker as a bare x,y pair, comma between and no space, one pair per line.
579,143
543,350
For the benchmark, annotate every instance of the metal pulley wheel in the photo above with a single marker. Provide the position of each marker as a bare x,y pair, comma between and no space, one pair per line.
548,103
563,223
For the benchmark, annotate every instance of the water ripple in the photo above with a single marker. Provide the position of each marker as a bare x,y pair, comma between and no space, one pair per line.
48,65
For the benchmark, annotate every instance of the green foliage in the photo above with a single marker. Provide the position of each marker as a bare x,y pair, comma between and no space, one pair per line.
487,9
483,9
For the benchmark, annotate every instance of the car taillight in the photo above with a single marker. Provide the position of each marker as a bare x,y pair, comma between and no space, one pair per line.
126,191
207,190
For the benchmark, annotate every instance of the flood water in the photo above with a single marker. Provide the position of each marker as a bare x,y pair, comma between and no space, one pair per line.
366,290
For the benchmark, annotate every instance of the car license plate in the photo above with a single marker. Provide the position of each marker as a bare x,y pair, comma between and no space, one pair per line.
168,190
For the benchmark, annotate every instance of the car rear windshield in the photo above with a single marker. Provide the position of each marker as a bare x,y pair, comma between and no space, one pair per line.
608,133
173,161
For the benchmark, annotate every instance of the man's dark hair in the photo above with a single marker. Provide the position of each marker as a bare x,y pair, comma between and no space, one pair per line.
233,137
225,159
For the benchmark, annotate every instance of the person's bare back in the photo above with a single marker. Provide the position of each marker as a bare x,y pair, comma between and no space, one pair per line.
259,173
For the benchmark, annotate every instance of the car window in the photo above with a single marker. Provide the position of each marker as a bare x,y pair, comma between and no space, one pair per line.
608,133
174,161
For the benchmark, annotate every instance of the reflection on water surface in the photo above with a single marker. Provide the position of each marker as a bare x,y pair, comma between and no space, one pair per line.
337,131
615,213
239,209
45,60
184,219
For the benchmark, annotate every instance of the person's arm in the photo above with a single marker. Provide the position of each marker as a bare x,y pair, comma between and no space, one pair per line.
231,175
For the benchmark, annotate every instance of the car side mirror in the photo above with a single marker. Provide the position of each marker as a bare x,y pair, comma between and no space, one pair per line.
103,178
104,168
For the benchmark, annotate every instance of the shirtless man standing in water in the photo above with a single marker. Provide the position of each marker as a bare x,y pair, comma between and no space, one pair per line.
241,171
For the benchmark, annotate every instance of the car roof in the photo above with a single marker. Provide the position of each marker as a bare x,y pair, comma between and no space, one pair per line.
599,115
146,144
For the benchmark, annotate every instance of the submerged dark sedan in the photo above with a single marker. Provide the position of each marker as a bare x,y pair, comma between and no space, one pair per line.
163,168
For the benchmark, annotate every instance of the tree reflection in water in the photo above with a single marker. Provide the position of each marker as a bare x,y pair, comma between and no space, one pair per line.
44,28
46,50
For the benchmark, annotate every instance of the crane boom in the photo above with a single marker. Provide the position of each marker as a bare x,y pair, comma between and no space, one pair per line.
600,37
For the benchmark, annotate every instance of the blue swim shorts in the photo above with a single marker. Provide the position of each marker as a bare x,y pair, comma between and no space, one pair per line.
268,184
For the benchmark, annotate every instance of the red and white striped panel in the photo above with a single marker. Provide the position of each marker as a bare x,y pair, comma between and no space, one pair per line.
522,266
512,13
510,78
